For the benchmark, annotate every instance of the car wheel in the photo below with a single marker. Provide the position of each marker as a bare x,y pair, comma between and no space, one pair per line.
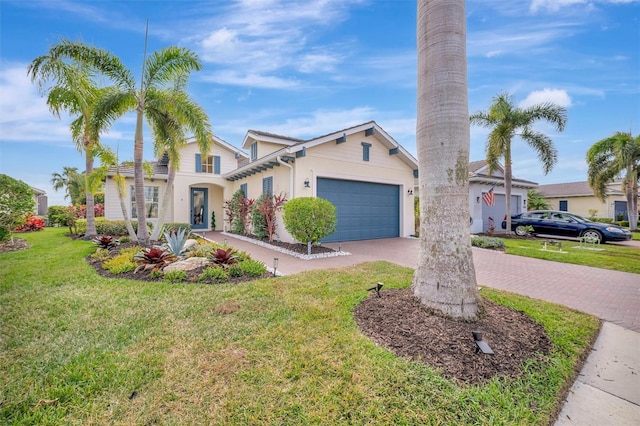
521,230
592,233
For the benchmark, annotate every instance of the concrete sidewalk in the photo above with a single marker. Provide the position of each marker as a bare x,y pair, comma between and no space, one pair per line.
607,391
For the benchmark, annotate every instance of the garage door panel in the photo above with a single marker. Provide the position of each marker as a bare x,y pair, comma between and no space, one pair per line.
365,210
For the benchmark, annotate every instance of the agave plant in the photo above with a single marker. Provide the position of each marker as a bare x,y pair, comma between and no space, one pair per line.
224,257
176,241
153,258
105,242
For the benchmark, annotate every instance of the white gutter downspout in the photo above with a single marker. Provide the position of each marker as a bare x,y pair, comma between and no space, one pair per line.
284,163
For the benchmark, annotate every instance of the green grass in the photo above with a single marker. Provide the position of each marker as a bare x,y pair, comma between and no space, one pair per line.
78,348
635,236
607,256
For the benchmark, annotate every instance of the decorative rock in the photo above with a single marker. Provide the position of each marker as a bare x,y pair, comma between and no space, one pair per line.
187,264
190,244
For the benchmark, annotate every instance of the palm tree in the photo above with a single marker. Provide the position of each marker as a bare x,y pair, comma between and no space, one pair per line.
508,121
151,100
73,90
194,119
608,159
69,180
535,201
445,277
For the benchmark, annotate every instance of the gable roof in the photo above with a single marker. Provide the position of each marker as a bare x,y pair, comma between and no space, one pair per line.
224,144
573,189
294,146
479,173
259,135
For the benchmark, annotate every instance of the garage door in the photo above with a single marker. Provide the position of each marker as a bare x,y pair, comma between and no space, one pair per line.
365,210
498,210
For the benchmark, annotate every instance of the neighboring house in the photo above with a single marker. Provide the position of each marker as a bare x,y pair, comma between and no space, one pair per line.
480,182
578,198
41,200
362,170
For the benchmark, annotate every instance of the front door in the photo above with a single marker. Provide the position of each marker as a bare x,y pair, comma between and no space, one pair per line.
199,210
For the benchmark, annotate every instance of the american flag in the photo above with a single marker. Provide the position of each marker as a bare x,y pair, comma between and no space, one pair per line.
489,198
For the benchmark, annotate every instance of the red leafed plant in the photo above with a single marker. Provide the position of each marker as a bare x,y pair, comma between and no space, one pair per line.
224,257
105,242
269,208
153,258
32,224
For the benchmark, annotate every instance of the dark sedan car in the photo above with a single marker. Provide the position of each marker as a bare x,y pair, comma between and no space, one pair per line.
563,224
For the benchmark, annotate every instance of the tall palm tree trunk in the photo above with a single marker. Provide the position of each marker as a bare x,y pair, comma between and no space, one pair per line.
507,184
164,205
91,215
445,277
138,181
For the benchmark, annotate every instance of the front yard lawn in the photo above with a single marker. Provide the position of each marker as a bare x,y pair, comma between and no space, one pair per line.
606,256
80,348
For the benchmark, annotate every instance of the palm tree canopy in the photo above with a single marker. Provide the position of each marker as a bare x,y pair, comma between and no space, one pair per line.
508,121
609,158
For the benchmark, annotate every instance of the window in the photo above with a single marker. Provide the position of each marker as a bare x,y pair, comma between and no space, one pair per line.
267,185
151,196
209,164
564,206
365,151
243,188
254,151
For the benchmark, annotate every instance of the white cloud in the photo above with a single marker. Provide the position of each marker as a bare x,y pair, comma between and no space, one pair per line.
555,5
556,96
24,114
322,121
235,78
260,38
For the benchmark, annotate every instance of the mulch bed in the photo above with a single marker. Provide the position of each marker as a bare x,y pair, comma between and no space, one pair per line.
295,247
398,322
17,244
192,275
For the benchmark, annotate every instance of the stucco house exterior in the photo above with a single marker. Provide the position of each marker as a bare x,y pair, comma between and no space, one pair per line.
483,215
362,170
578,198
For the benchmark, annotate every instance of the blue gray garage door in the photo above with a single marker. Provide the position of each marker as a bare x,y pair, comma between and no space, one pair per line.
365,210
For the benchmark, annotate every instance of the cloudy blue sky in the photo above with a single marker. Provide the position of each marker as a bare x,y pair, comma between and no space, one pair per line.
306,68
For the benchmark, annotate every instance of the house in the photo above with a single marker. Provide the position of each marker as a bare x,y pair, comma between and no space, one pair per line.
578,198
480,182
362,170
41,200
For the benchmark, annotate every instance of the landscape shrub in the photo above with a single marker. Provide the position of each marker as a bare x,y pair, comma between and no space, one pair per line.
213,274
175,276
106,226
4,234
122,262
258,218
16,201
488,242
175,226
56,215
235,270
309,219
252,267
32,223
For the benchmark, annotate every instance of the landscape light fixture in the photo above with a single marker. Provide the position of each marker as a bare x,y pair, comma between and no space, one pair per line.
306,183
481,345
377,288
275,265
